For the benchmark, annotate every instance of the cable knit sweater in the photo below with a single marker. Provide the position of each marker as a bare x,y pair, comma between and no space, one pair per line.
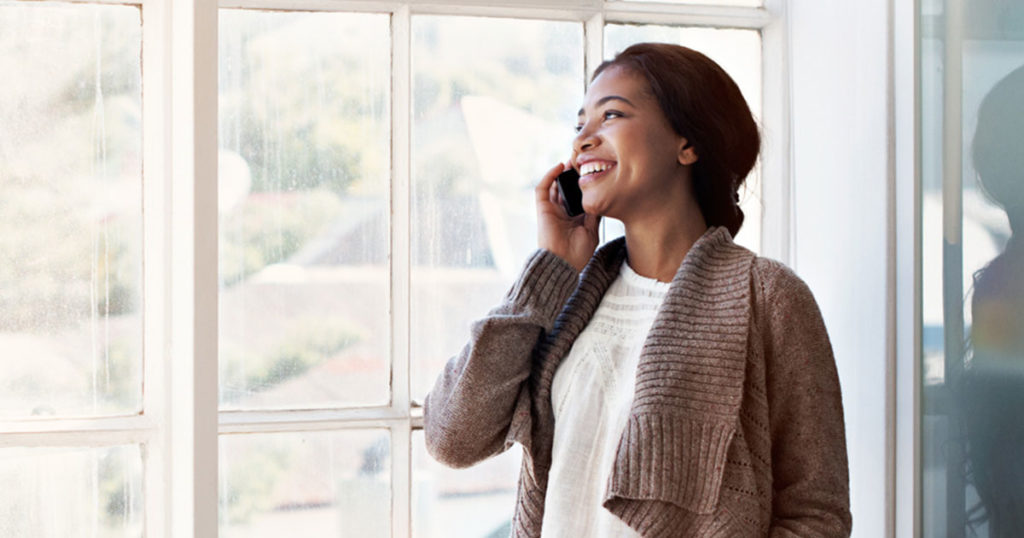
736,426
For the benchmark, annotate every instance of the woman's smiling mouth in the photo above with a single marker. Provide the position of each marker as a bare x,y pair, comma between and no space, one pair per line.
592,169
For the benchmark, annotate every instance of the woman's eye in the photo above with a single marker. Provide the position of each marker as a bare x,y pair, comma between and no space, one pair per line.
607,115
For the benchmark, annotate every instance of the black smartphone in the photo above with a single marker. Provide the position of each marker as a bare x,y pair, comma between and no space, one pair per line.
569,188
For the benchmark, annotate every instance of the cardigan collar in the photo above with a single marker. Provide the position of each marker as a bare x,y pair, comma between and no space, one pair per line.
712,284
689,381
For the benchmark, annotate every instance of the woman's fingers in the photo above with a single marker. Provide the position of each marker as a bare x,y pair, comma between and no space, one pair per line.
554,196
543,190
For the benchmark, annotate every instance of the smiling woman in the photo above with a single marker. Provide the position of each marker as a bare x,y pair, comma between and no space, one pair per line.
671,382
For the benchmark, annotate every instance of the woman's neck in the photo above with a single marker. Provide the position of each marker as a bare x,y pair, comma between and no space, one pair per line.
656,246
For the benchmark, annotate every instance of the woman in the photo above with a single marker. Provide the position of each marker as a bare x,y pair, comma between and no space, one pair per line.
670,383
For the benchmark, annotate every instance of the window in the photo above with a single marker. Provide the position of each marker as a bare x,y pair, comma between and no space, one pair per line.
374,165
972,308
71,178
71,284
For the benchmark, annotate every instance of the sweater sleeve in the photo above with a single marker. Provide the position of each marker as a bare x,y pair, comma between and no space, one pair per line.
809,464
467,414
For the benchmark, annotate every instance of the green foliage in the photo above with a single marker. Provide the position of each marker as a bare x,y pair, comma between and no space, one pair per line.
533,66
307,343
119,484
269,228
119,383
70,170
252,475
302,107
63,267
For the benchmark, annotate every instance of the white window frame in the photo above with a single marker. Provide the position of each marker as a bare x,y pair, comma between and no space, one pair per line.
180,425
904,390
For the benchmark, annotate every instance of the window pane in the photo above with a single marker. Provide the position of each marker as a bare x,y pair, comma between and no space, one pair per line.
306,484
739,53
463,503
70,210
494,103
304,174
61,492
972,270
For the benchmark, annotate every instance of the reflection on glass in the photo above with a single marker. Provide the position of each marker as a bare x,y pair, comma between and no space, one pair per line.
972,115
330,484
62,492
992,397
303,182
739,54
463,503
494,103
70,210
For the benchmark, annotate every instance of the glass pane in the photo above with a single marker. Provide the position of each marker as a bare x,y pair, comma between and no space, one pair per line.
972,211
62,492
304,174
70,210
318,484
494,103
463,503
739,54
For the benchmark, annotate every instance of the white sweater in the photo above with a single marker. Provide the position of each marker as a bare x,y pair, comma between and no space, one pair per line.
591,397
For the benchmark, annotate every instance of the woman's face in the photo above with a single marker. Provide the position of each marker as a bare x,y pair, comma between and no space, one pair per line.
630,160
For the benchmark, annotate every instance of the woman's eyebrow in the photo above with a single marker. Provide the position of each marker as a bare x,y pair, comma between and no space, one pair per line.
607,98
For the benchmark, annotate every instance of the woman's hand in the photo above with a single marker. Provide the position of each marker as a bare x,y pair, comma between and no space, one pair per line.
571,238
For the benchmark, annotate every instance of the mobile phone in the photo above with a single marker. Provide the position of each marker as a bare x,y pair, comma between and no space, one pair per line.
569,188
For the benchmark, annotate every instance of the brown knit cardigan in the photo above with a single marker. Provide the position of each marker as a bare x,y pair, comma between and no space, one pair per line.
736,426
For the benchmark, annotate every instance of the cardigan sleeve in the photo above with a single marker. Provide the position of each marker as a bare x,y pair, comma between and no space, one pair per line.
468,412
810,479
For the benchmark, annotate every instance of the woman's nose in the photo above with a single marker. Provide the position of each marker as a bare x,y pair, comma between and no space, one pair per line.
584,140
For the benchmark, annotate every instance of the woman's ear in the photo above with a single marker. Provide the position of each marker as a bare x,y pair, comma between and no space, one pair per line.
687,153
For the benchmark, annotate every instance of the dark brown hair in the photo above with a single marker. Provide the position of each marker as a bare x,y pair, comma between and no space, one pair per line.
703,105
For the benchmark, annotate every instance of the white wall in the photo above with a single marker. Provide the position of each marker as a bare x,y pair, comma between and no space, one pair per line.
839,54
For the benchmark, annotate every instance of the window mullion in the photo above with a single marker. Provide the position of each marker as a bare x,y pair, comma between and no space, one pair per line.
687,15
952,256
776,181
192,396
401,118
77,432
593,55
156,246
905,504
400,208
233,422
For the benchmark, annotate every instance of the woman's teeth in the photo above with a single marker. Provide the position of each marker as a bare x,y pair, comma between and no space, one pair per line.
590,168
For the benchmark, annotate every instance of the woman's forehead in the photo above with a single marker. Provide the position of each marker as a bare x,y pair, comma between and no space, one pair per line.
617,81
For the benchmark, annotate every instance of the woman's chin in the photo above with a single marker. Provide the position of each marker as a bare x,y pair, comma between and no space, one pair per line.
594,206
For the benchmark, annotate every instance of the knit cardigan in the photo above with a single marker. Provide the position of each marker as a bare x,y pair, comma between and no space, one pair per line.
736,426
